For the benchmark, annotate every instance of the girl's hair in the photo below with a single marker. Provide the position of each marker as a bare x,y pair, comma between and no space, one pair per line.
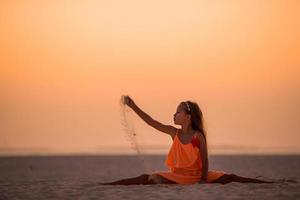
194,110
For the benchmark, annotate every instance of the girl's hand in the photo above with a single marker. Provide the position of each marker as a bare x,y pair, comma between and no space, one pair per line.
128,101
202,181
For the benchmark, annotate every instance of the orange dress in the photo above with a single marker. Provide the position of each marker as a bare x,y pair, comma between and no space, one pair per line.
184,162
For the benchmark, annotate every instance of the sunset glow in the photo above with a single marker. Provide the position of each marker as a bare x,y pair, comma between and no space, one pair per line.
65,64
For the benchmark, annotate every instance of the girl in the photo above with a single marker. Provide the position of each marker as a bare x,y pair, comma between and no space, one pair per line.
187,157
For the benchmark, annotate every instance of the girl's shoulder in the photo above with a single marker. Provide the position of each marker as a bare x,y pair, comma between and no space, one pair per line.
176,133
200,136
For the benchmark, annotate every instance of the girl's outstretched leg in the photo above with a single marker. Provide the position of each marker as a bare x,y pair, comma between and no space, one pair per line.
228,178
142,179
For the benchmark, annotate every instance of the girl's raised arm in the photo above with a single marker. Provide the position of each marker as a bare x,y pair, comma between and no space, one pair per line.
168,129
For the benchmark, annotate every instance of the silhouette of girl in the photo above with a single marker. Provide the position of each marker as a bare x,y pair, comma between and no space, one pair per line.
187,158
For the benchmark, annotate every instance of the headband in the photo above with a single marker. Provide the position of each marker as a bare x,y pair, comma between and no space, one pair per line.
188,106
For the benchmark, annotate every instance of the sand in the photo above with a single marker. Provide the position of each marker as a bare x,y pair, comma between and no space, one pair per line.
75,177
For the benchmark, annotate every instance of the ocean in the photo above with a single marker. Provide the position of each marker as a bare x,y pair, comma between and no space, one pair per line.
76,177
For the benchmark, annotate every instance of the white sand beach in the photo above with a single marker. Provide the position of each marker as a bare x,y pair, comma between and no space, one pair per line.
76,177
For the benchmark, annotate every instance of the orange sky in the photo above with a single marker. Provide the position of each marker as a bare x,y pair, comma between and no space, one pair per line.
65,64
